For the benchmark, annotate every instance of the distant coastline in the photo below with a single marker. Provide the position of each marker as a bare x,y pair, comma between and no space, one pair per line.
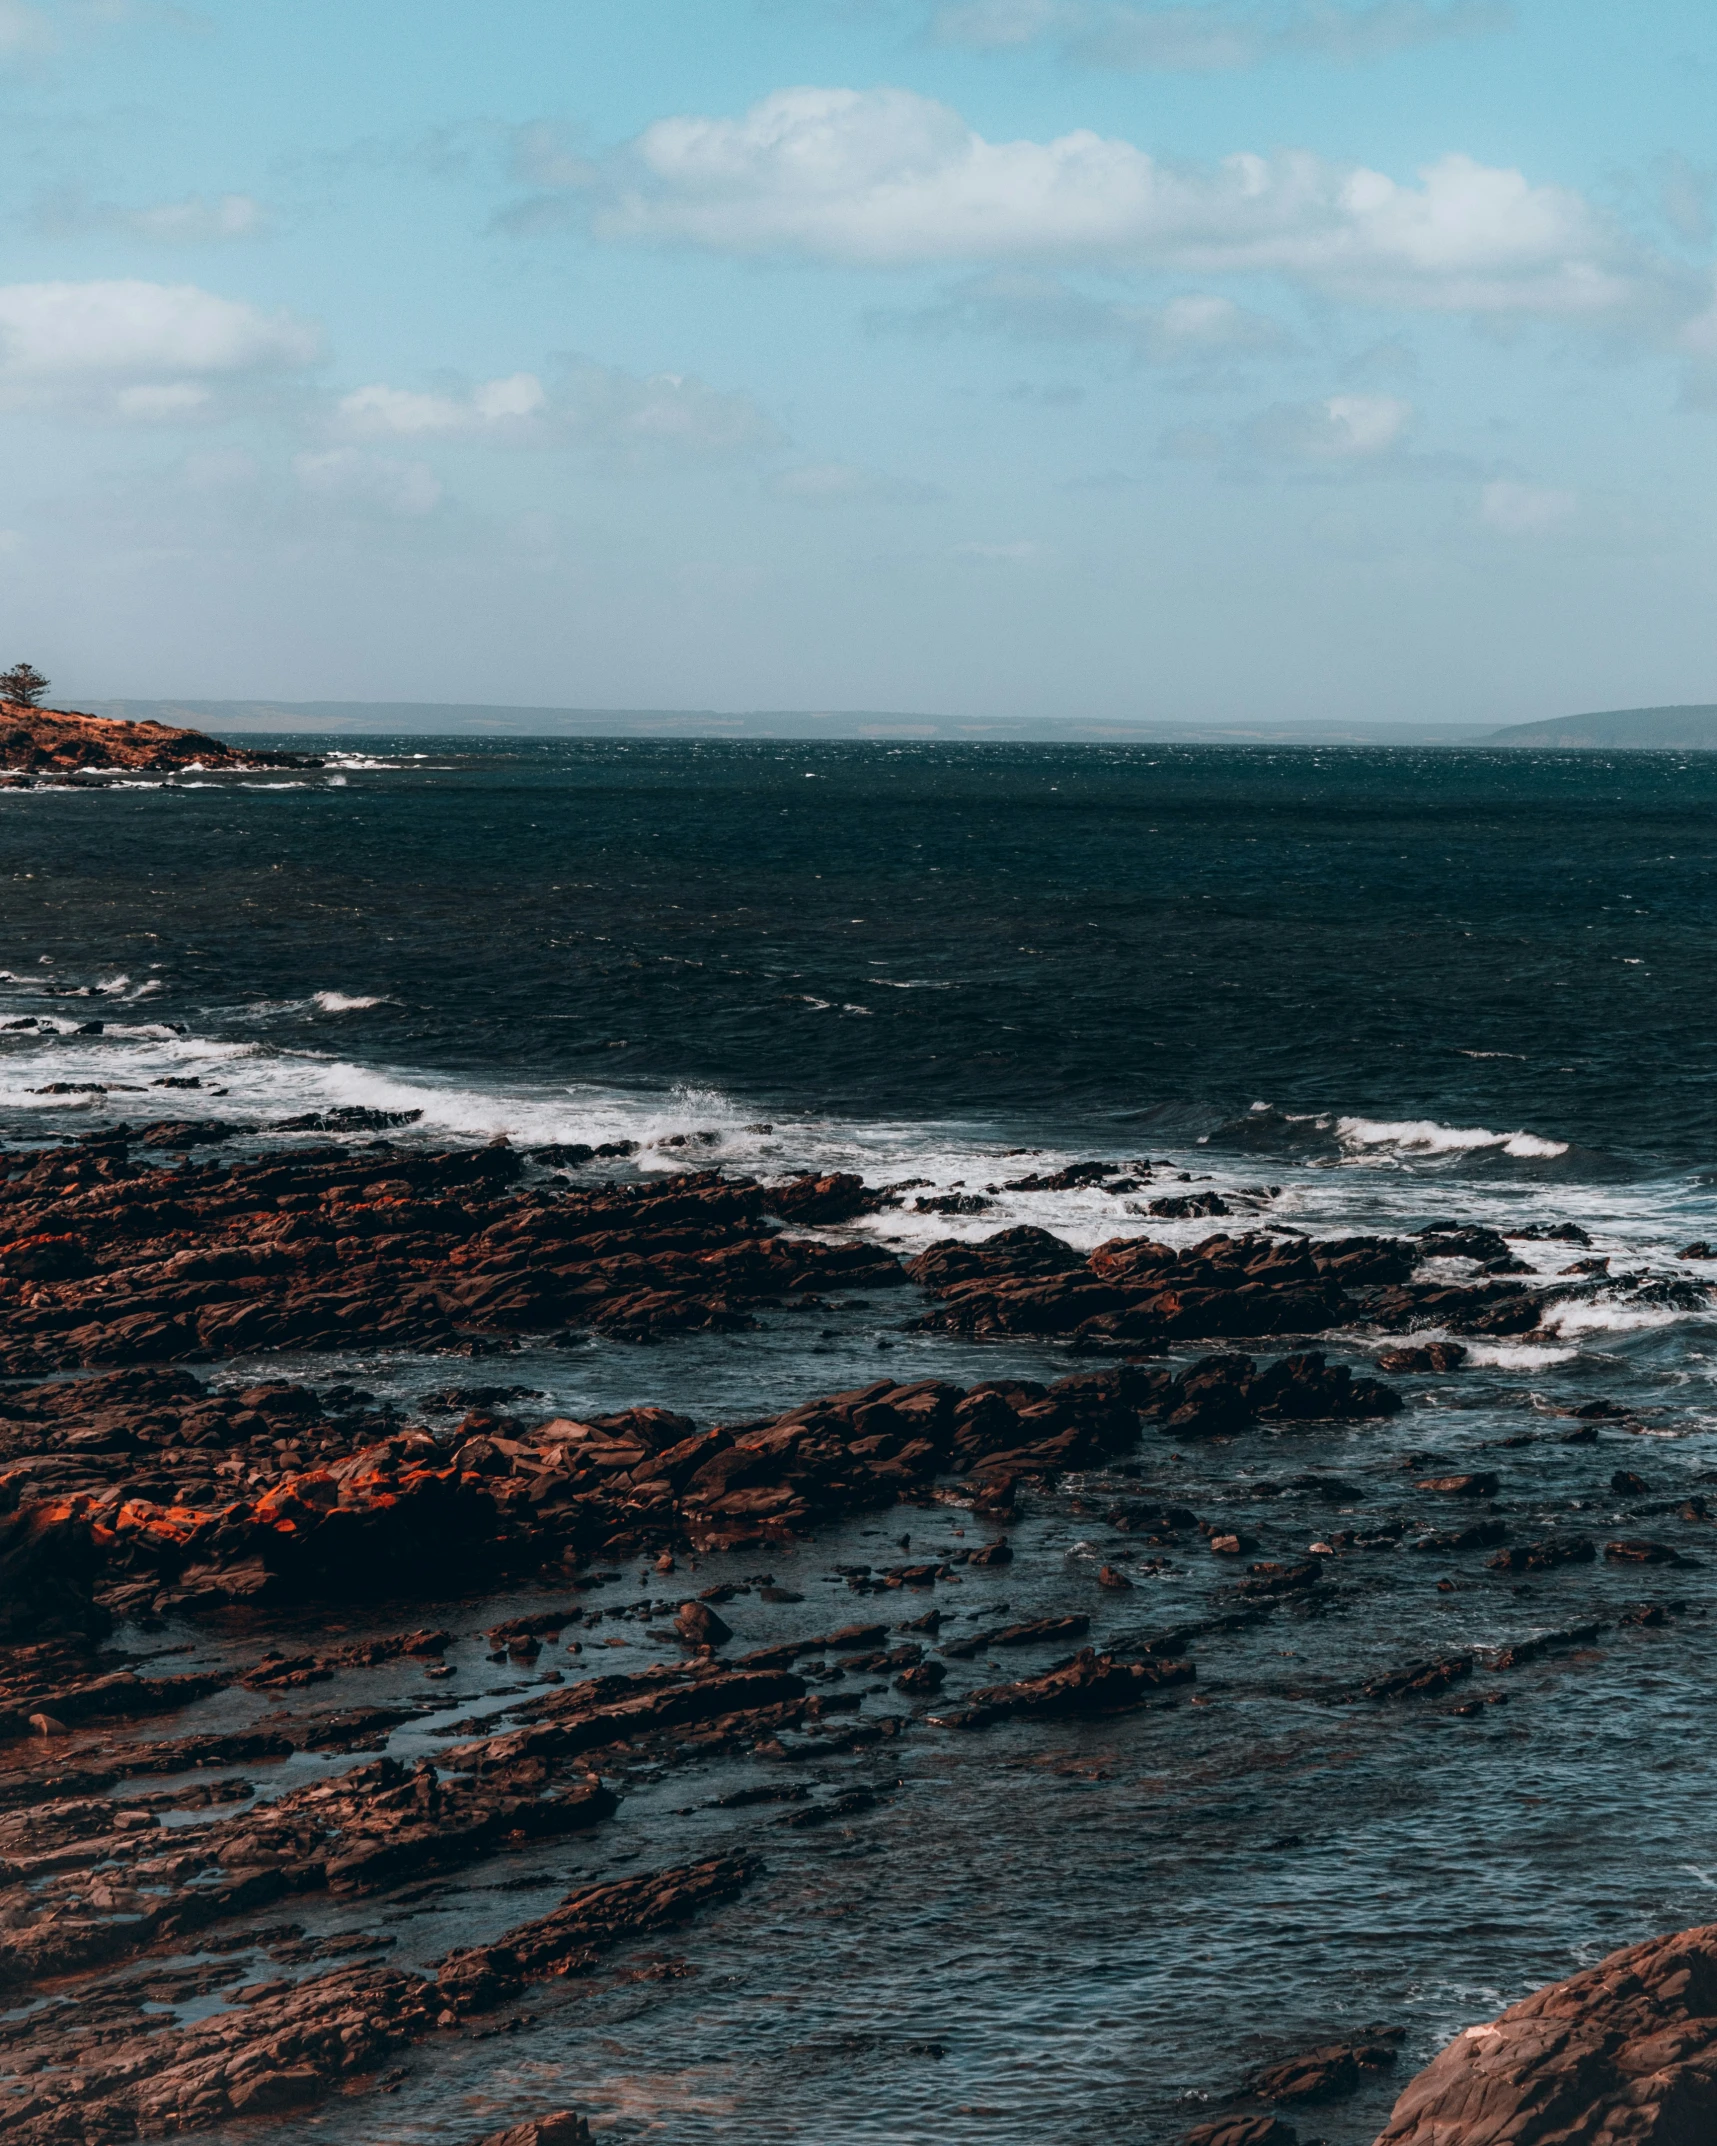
1649,729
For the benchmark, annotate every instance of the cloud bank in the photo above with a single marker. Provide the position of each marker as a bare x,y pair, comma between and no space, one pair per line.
626,417
890,179
127,348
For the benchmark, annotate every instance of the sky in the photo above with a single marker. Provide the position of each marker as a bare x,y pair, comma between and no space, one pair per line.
1190,360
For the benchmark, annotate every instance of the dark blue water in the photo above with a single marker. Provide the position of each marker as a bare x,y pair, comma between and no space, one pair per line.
1094,936
1375,988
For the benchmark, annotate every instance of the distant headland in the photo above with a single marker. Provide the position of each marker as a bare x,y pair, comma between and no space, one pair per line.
63,742
1659,729
153,725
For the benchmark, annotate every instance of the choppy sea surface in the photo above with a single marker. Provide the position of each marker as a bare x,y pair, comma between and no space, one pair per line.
1343,989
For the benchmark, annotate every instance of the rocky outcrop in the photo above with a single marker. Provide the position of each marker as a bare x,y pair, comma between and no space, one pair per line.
1625,2051
144,1492
1091,1683
280,2048
59,741
1142,1294
107,1257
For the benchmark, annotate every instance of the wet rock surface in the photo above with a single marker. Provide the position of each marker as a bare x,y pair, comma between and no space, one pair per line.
334,1717
1626,2050
108,1258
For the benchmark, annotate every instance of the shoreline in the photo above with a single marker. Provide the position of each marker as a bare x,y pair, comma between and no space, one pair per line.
1181,1566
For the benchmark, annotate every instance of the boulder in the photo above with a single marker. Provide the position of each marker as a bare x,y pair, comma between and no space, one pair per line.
1624,2051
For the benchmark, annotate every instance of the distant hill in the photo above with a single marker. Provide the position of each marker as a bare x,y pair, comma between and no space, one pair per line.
382,718
1663,728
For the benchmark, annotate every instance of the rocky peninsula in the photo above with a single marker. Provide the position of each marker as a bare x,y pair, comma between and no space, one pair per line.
62,742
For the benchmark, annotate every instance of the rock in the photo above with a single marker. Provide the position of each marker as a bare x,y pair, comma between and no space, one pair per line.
819,1201
1329,2073
1643,1553
1243,2131
1117,1582
45,740
1419,1680
699,1626
563,2128
1481,1485
1092,1683
1430,1356
1545,1556
1626,2050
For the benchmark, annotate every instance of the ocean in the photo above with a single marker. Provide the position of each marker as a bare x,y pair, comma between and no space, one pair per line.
1343,990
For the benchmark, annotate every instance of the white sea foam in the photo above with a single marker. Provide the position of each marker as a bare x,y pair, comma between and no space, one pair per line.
343,1002
1614,1315
1425,1136
1517,1355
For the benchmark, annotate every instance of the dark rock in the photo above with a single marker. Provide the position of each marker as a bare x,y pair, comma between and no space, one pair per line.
699,1626
1329,2073
1546,1556
1092,1683
1480,1485
1643,1553
1427,1356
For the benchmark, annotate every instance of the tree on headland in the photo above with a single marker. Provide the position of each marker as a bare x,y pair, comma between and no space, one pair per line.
23,683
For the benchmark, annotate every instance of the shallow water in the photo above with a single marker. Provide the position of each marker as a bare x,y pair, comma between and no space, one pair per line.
1344,990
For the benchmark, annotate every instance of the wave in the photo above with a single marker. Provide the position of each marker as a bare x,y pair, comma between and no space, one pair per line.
343,1002
1424,1136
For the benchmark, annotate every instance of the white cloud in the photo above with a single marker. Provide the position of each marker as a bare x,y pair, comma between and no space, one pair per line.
401,412
23,30
1214,34
129,348
993,25
886,178
1339,428
371,483
1525,509
1684,192
196,221
164,402
1195,327
624,416
835,484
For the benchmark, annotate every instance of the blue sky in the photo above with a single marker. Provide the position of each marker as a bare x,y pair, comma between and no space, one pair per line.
1214,360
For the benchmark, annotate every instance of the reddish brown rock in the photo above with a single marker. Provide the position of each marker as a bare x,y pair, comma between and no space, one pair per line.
1243,2131
42,741
1625,2051
1328,2073
563,2128
279,2048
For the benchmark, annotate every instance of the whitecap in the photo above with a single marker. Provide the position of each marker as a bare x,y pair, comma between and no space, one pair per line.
342,1002
1517,1355
1425,1136
1613,1315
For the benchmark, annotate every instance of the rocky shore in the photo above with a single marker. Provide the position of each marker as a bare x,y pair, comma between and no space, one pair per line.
48,742
183,1845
